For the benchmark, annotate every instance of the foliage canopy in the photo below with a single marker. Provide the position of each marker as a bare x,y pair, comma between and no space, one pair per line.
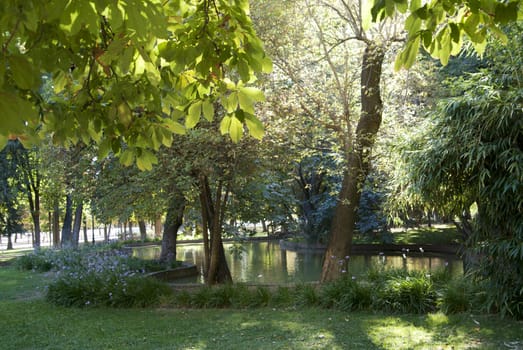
128,72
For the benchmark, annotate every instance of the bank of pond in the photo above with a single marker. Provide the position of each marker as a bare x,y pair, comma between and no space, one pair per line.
265,276
271,262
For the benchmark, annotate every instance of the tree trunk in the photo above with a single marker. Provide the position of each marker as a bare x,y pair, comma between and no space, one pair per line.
158,226
143,230
67,237
86,239
130,223
56,226
173,221
206,208
77,225
34,206
106,234
9,242
358,165
218,269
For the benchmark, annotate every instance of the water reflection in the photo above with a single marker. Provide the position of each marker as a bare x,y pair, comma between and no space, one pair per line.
265,262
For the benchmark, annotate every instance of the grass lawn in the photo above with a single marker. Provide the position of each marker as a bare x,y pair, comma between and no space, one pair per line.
28,322
438,234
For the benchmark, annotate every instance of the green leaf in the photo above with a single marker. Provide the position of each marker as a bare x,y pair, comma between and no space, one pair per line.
499,34
23,73
480,46
230,103
255,126
114,50
225,125
15,112
60,81
236,130
104,148
168,50
146,160
208,110
252,93
193,115
243,69
506,12
127,157
412,24
124,114
174,126
125,59
266,64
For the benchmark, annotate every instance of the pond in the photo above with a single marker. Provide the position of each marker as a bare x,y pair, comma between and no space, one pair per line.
266,262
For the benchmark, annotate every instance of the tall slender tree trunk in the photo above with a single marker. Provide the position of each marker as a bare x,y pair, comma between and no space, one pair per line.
34,206
86,239
130,225
206,208
173,221
56,226
358,164
77,225
67,236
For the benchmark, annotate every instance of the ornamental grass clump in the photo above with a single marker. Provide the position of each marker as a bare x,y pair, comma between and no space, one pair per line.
462,295
346,294
411,292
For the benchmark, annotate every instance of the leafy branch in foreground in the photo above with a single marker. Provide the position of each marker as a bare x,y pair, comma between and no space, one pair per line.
126,73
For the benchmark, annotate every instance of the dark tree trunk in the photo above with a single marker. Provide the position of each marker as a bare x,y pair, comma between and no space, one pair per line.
218,271
206,208
173,221
34,206
358,164
106,234
67,233
9,242
77,225
143,230
130,224
86,239
56,226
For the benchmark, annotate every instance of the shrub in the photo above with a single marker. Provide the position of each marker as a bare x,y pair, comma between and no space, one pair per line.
413,293
463,295
282,297
346,294
41,262
98,276
306,295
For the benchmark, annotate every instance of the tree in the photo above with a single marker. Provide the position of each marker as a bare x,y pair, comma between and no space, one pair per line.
470,157
336,57
10,191
126,74
27,167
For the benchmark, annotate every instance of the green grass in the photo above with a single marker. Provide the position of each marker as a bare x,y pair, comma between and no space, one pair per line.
439,234
27,322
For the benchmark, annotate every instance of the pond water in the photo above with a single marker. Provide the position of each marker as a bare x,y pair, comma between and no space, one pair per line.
266,262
